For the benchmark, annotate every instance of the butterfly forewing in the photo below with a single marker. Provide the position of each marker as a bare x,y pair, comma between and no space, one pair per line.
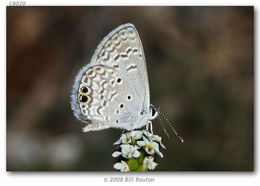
122,50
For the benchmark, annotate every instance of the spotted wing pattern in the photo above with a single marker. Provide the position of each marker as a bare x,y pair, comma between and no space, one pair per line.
113,89
104,96
123,51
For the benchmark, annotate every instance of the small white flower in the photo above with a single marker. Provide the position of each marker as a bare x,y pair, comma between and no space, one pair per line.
149,163
116,154
129,151
156,138
151,147
136,135
123,167
125,138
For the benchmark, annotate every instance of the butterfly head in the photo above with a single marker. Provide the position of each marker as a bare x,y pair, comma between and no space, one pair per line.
154,112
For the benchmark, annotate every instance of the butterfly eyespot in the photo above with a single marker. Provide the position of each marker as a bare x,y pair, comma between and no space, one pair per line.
129,97
84,90
121,105
83,99
117,112
116,121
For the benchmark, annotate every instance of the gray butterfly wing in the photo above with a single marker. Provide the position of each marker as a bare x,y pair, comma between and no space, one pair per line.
113,90
122,49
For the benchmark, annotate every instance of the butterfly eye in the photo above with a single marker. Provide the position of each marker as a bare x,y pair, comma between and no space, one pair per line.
153,112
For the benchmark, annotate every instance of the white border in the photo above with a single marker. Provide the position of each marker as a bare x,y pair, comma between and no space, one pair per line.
87,178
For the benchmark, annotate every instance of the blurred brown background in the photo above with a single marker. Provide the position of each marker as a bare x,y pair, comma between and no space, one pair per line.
200,64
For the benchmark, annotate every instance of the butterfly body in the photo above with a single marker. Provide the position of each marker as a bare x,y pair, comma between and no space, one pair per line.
113,89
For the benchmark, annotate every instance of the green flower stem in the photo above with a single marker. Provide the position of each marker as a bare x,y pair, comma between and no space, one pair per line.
136,164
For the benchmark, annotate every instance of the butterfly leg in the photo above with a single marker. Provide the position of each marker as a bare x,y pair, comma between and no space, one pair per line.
147,127
151,127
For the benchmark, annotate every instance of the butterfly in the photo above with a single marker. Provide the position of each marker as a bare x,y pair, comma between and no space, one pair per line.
112,91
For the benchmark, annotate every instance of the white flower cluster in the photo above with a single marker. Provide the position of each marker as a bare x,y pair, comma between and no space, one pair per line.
132,144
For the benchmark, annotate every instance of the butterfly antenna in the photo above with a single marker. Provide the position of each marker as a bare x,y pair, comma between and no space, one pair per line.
170,125
160,119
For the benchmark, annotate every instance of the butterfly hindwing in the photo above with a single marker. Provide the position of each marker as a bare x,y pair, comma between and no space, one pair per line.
104,96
